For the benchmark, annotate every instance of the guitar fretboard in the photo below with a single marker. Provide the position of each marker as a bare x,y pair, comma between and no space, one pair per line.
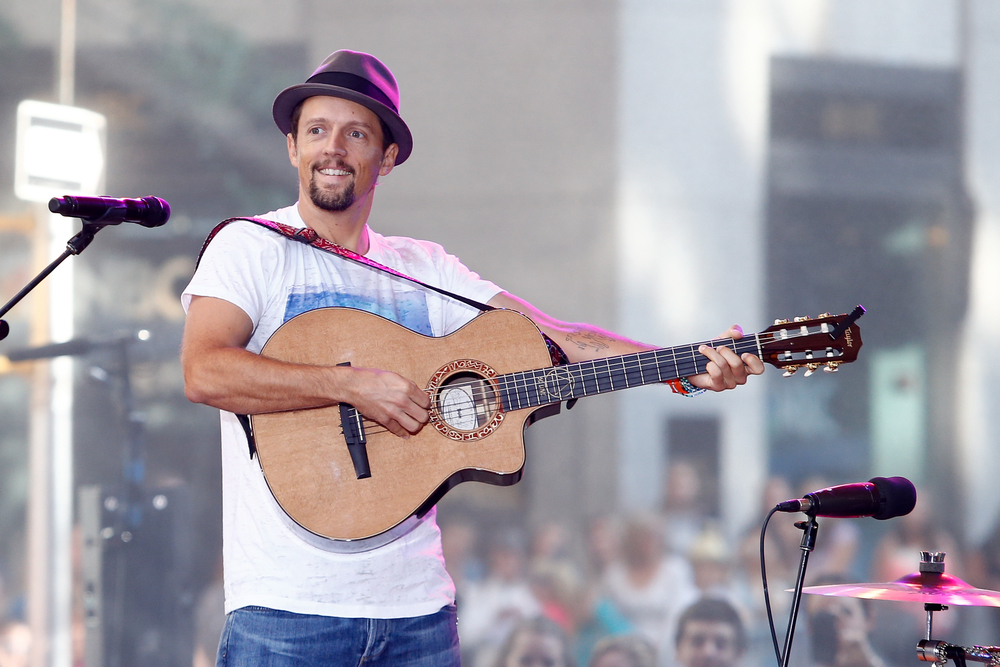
543,386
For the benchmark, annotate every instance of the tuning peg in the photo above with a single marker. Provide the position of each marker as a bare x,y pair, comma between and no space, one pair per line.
832,366
781,321
789,371
810,369
801,319
822,315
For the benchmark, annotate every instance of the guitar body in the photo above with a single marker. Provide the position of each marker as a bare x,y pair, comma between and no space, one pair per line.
304,454
349,485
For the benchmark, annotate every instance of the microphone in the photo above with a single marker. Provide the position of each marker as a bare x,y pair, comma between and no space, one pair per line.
148,211
880,498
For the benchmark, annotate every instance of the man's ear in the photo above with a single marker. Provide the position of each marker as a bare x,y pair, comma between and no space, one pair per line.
293,153
388,160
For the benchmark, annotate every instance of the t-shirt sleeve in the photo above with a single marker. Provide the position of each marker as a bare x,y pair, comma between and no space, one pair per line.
236,267
458,278
464,281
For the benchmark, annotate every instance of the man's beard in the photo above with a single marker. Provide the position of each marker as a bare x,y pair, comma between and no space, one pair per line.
331,201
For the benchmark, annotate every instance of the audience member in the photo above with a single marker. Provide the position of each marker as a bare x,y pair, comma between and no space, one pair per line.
710,634
603,545
493,606
838,629
648,586
535,642
560,593
551,541
459,539
624,651
711,561
683,506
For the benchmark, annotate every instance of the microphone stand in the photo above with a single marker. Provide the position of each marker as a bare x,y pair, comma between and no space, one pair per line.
133,465
809,530
74,246
127,515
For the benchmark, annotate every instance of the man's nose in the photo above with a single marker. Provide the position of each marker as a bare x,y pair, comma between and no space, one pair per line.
335,144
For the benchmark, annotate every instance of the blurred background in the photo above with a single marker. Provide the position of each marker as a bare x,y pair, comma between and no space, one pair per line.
661,168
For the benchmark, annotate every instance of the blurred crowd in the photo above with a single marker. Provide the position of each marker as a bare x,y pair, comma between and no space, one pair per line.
666,588
631,580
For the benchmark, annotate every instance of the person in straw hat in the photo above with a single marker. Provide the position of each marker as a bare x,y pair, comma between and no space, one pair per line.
290,598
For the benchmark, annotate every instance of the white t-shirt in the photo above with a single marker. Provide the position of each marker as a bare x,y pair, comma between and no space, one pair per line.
272,279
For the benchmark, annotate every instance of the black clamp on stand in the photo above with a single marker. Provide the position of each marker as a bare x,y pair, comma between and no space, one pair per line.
74,246
809,530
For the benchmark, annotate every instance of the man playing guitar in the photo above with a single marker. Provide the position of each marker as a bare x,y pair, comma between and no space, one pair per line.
289,600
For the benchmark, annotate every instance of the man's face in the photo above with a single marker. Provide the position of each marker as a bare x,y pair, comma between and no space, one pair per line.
338,152
708,644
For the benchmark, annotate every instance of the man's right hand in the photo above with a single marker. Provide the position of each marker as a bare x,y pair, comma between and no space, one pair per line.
219,371
390,399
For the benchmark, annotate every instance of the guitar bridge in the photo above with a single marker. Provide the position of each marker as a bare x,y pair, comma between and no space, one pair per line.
353,426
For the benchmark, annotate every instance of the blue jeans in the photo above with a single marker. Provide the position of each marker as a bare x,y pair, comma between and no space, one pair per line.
262,637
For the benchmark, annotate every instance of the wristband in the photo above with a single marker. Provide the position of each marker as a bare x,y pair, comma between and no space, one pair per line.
684,387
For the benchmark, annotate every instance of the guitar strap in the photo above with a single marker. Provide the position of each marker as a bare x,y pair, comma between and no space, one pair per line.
311,238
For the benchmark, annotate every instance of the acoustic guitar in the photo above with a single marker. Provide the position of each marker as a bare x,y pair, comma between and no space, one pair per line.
351,485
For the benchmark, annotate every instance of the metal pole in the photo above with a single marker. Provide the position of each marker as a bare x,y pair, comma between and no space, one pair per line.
67,53
61,328
50,511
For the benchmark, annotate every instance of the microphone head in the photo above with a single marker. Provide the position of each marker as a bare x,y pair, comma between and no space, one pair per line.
899,497
157,212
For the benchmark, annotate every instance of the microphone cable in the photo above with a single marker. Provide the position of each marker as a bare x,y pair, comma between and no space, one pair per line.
763,578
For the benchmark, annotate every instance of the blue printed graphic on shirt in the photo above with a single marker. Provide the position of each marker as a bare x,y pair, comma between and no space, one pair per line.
407,308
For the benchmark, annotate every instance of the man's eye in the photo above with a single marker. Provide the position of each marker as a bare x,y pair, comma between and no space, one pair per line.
357,134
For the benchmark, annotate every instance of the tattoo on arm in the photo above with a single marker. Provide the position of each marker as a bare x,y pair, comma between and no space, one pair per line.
588,339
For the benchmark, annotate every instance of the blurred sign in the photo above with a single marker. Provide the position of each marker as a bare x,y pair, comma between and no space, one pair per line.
60,151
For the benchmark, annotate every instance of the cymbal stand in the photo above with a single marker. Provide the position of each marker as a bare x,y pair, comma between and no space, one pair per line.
932,562
930,608
940,652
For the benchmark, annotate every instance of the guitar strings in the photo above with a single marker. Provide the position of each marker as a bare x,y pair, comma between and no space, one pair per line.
519,382
686,363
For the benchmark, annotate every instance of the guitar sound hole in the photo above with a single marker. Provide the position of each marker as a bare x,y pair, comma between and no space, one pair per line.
466,402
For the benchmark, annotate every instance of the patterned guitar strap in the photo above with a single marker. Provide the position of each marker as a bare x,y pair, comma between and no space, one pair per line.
311,238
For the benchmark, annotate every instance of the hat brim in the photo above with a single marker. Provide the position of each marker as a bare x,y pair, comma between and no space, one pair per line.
289,98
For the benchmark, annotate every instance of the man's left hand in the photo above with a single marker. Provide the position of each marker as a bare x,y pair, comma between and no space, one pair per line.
726,369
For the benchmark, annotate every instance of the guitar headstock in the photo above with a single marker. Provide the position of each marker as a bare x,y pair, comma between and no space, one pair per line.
825,341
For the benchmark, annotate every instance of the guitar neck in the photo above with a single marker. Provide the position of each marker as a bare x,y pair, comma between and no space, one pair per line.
544,386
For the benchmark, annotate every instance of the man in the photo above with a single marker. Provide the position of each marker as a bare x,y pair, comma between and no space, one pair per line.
710,634
289,600
839,629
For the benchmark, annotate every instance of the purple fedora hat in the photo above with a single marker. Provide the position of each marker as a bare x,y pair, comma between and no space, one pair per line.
353,76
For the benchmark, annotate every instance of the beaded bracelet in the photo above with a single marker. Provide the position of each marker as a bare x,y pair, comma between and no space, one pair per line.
684,387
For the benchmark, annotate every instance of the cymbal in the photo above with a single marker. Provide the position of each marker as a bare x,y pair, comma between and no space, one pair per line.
927,587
